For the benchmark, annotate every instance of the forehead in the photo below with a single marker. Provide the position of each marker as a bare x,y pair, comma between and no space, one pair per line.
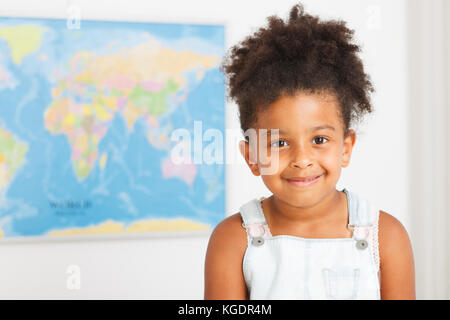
301,112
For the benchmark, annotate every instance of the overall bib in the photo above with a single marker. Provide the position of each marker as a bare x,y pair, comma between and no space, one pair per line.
290,267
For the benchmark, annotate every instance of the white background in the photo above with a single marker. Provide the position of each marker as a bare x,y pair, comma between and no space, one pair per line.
172,267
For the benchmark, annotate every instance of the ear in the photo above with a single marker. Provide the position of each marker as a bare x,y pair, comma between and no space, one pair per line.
349,142
249,156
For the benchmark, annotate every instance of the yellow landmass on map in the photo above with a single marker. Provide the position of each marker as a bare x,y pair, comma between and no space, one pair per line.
166,225
148,60
103,228
22,39
110,227
103,159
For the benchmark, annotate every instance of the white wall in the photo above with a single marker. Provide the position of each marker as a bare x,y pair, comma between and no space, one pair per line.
429,116
172,267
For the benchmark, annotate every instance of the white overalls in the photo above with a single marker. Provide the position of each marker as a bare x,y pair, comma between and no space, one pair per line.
290,267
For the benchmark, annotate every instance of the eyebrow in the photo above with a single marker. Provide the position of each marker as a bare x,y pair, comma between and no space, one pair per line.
325,126
316,128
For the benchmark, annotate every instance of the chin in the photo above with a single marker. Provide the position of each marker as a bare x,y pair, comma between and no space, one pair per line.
297,200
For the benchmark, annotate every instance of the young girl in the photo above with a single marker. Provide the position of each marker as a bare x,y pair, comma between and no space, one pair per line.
303,83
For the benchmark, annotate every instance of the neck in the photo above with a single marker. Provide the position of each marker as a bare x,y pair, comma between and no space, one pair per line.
314,214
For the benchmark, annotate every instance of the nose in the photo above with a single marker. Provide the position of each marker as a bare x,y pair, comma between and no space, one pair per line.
302,159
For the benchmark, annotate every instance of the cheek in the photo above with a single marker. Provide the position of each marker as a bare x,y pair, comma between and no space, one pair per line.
332,160
273,183
273,163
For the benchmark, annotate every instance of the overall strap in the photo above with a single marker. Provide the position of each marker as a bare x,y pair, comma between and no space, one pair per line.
359,210
253,220
363,219
251,213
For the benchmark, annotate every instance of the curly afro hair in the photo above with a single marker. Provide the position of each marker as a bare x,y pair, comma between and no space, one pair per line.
302,54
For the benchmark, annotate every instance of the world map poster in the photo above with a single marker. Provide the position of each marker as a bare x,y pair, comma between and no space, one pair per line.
86,122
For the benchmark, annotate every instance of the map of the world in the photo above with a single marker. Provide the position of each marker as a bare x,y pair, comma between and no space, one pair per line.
86,122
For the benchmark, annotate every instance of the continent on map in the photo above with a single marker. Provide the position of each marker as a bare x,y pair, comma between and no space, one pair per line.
22,40
113,227
144,81
12,157
186,171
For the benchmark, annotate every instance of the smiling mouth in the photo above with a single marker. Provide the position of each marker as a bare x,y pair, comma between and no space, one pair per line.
301,183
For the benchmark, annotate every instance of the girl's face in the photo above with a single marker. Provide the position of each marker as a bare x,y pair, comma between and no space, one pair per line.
310,144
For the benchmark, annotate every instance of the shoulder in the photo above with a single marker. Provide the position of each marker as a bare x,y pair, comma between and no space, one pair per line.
229,234
396,259
224,277
391,231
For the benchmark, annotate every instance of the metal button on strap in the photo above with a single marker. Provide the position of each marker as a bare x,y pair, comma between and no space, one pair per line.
361,244
258,241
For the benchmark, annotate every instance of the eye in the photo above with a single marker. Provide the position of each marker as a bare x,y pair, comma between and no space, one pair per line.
278,143
320,139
